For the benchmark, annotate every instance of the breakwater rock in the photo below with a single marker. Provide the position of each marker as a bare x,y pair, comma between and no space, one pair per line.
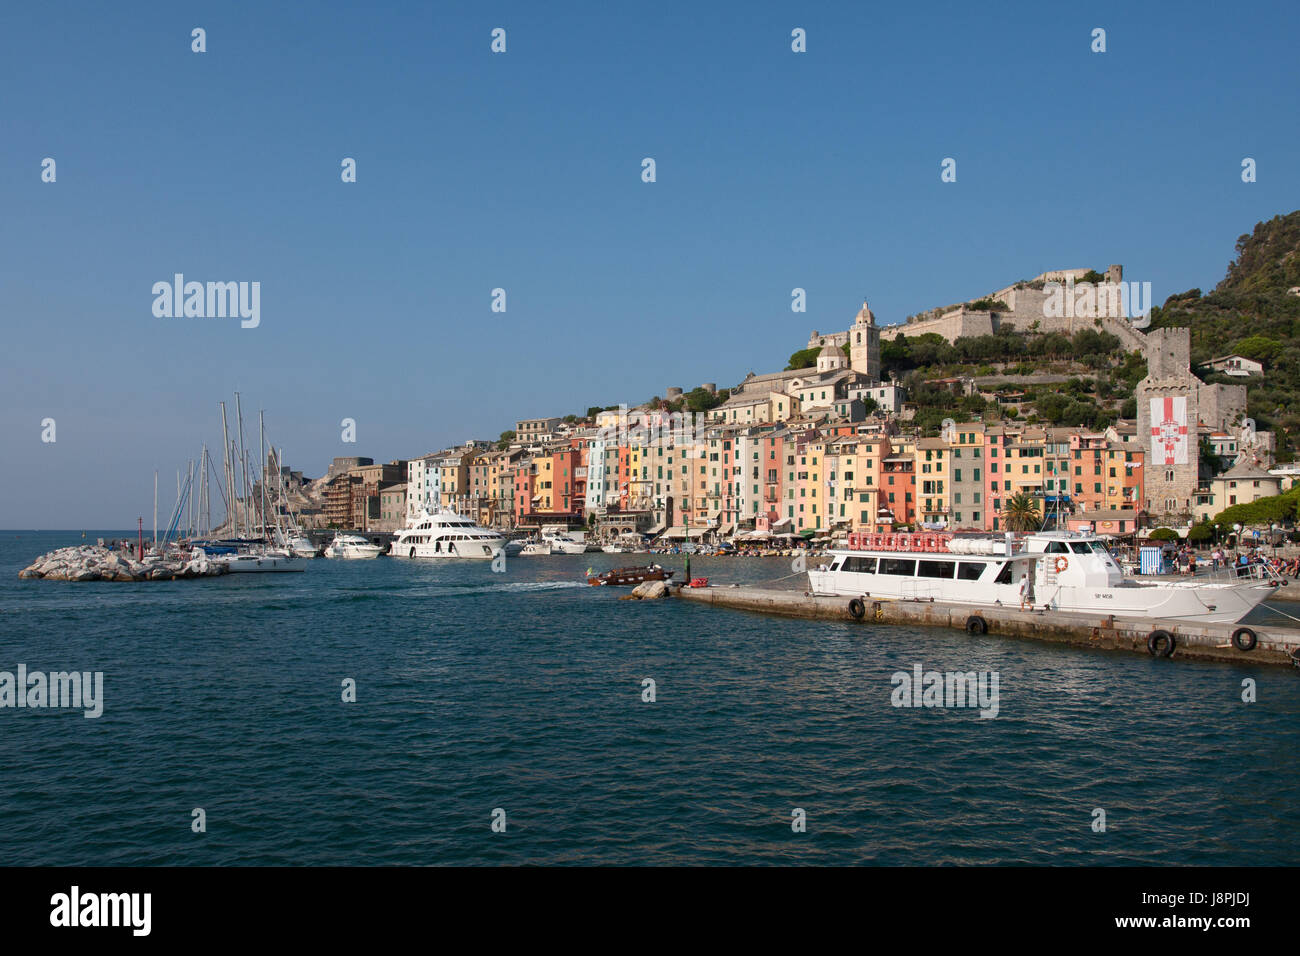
647,591
93,563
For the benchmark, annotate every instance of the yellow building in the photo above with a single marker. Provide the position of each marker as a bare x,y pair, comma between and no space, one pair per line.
855,467
932,481
808,496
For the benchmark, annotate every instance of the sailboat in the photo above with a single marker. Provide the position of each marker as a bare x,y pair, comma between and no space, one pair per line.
246,554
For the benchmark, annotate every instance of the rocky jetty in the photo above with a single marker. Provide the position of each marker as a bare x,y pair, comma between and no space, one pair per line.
647,591
94,563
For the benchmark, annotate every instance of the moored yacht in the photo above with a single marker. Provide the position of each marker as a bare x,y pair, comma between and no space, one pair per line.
252,560
445,534
300,545
1054,570
627,543
352,546
562,540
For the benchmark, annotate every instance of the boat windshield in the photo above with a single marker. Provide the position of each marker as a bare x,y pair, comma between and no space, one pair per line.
1088,548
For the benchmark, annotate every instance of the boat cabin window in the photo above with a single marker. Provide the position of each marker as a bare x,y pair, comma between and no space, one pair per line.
1078,548
969,571
835,565
861,565
936,569
903,567
1004,576
1057,547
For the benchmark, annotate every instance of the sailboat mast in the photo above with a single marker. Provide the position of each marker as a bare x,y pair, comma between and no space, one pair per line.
155,509
205,506
225,462
261,463
243,462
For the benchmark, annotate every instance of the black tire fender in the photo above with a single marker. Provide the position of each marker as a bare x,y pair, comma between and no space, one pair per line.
1244,639
975,624
1160,644
857,609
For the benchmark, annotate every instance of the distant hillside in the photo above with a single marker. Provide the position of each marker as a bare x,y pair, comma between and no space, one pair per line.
1267,259
1253,313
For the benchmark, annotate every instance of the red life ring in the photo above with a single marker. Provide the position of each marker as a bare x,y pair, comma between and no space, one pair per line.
1061,563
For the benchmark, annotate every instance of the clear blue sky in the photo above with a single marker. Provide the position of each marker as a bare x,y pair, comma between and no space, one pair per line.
522,171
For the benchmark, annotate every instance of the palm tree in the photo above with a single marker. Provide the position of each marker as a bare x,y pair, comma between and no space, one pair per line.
1021,513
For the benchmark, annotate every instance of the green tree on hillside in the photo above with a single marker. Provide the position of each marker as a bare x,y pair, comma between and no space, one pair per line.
804,358
701,399
1261,348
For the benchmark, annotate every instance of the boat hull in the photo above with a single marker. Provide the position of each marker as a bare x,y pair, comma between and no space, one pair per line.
1201,602
629,577
353,554
259,564
486,551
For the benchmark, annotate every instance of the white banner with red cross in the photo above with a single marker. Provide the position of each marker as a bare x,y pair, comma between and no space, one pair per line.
1169,429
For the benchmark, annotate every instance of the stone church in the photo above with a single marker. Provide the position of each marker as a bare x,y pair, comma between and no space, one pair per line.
863,340
860,369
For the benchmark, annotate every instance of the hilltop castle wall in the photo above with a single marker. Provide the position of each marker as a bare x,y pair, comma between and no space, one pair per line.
1027,310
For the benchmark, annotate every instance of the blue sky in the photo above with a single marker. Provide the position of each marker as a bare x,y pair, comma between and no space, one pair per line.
522,171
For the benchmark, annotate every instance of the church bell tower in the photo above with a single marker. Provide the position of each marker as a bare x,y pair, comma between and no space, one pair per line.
864,344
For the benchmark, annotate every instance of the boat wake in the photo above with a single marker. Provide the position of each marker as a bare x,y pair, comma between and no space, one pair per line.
350,595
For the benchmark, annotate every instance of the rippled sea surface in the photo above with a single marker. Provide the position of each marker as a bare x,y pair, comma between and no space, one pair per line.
523,691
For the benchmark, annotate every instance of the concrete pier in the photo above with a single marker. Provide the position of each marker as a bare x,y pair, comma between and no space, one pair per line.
1200,641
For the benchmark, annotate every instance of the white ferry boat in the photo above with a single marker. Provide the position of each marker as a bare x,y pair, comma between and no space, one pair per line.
352,546
445,534
1052,570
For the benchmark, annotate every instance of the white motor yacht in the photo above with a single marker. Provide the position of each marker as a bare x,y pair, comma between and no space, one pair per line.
445,534
301,546
352,546
255,561
562,540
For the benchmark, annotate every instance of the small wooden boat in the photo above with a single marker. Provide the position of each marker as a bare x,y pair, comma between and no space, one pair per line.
630,577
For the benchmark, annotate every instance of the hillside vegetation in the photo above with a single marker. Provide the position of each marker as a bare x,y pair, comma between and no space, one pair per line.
1088,379
1252,312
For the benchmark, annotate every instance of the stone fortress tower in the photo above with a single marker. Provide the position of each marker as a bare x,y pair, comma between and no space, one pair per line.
1167,413
1171,405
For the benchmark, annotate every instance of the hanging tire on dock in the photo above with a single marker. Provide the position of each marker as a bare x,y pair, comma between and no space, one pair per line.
1244,639
412,554
857,609
1160,644
976,625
